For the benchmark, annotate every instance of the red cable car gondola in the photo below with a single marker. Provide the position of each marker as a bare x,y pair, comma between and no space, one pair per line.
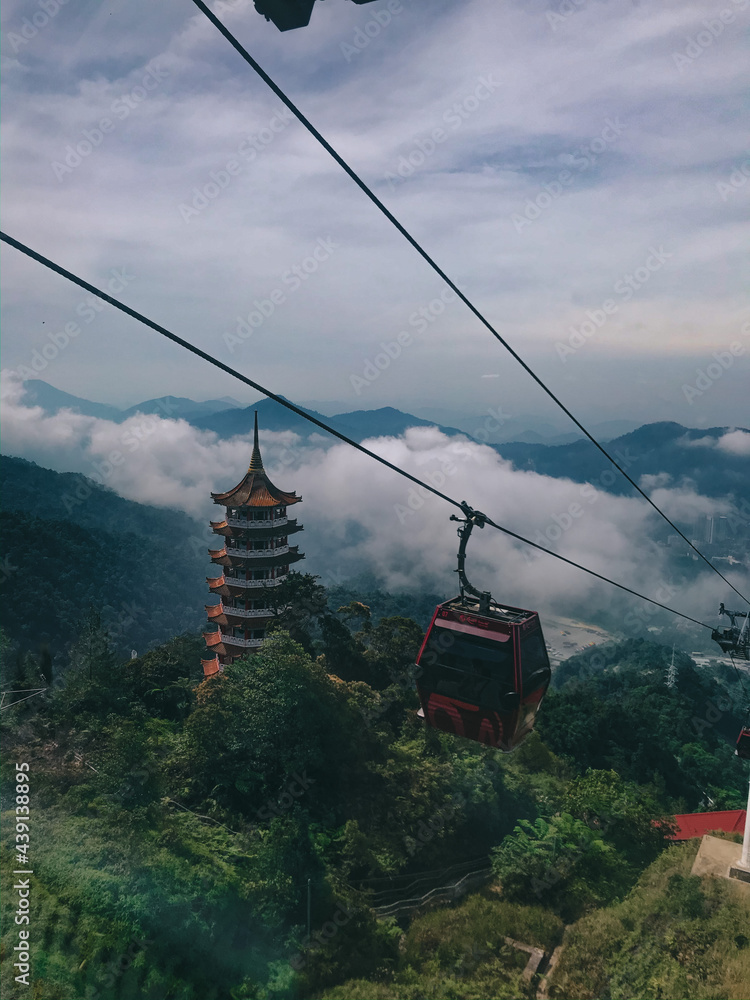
743,743
483,668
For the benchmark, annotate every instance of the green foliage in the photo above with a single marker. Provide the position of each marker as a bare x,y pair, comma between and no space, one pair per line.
344,655
675,935
163,681
379,655
269,720
613,711
369,590
191,908
127,774
392,647
299,605
189,814
94,683
562,863
627,815
450,933
589,854
461,953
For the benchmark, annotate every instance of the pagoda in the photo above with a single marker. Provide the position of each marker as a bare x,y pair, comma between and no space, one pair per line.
255,558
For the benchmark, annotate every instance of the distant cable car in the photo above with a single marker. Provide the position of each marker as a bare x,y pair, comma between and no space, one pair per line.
290,14
483,668
286,14
734,640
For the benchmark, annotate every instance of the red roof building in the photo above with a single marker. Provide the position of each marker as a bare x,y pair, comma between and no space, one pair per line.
698,824
254,560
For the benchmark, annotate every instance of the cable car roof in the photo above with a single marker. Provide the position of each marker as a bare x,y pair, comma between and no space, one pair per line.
498,612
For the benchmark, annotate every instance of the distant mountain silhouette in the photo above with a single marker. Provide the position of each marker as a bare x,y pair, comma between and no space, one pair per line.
385,421
179,406
653,449
272,416
650,450
53,400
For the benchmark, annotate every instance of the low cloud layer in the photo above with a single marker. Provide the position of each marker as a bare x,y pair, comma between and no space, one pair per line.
361,516
736,442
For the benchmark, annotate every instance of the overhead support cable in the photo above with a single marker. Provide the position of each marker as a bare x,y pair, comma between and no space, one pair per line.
438,270
134,314
34,693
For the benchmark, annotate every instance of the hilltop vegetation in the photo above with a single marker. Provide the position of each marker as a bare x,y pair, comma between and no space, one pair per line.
178,821
69,544
674,935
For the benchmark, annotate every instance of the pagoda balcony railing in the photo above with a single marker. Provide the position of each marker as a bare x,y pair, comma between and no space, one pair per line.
256,553
241,522
236,581
232,640
244,613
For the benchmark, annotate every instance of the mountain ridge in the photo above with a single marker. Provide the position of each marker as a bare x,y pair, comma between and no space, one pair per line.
661,448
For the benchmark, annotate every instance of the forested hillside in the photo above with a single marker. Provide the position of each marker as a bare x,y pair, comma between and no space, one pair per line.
684,454
69,545
69,496
179,824
631,722
146,591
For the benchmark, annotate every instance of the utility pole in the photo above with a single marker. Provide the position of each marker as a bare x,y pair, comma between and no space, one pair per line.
745,856
309,904
741,867
672,673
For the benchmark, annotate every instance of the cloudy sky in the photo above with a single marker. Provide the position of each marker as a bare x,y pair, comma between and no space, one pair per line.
580,169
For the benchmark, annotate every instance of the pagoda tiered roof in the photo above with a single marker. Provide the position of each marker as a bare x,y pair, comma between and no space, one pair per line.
220,614
255,558
260,529
256,489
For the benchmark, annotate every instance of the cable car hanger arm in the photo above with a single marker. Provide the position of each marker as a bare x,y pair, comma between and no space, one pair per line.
472,517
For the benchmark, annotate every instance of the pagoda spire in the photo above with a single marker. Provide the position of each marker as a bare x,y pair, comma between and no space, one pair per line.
256,462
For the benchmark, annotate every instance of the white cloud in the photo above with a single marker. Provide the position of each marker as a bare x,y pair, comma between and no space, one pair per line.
360,515
735,442
649,483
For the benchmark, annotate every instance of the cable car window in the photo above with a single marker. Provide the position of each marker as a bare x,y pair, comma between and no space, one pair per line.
535,669
478,671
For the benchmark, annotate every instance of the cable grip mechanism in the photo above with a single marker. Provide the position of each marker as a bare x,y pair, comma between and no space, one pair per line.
471,518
